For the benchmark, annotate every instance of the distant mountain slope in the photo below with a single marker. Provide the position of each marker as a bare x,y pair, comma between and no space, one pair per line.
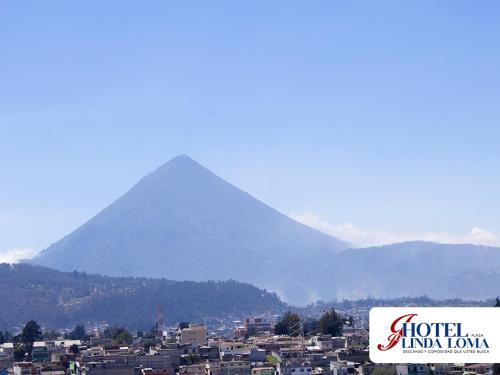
419,268
58,299
183,222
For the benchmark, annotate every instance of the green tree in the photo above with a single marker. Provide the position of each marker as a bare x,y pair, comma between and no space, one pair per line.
497,304
31,333
7,336
288,321
118,334
19,354
147,344
16,339
350,321
110,332
50,335
74,349
311,326
252,331
124,337
330,323
78,333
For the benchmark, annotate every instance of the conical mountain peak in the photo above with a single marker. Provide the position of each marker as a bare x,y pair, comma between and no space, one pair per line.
181,162
183,222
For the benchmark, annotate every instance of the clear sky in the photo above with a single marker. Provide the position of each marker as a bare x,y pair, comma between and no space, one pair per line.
376,121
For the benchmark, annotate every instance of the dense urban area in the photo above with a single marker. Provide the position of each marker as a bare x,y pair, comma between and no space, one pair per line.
333,343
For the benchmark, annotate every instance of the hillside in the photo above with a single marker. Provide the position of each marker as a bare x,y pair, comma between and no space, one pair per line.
183,222
418,268
59,299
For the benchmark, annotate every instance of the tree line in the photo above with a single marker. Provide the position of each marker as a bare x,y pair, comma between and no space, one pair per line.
330,323
31,333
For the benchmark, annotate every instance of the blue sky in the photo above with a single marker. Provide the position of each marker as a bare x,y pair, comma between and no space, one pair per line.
375,121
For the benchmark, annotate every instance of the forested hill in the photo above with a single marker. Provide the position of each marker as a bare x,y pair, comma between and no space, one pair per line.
62,299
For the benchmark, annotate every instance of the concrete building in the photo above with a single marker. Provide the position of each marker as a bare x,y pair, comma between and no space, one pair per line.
263,371
339,342
257,325
150,371
344,367
213,368
24,368
412,369
257,355
235,368
209,352
167,360
110,368
195,335
293,368
322,342
230,350
198,369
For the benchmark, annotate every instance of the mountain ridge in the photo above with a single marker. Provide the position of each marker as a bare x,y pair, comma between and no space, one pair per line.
184,222
415,268
59,299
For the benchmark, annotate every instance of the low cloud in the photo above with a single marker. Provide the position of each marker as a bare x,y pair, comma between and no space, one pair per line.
15,255
362,237
477,236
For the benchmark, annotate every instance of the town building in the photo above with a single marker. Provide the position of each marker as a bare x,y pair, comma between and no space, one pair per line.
195,335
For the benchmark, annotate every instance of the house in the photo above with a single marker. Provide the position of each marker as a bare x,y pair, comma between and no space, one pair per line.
93,352
209,352
150,371
344,367
198,369
24,368
235,368
195,335
293,368
166,359
322,342
110,368
41,354
263,371
412,369
52,370
213,368
257,355
7,347
6,357
232,349
479,368
339,342
257,325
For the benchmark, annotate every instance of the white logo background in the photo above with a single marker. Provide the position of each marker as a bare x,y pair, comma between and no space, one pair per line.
483,321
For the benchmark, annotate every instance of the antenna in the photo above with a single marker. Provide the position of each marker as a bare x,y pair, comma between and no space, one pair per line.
297,330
